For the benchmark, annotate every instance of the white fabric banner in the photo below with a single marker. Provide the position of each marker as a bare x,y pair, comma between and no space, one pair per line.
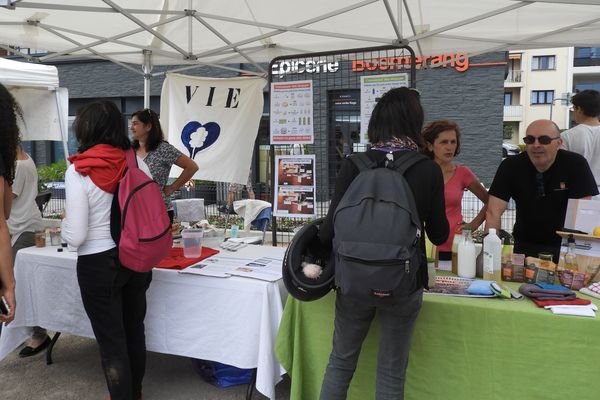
214,121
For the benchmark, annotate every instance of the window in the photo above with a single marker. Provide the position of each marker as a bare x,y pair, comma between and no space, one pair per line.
542,96
586,56
507,98
543,62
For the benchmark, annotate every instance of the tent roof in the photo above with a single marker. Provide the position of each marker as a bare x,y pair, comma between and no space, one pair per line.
255,31
14,73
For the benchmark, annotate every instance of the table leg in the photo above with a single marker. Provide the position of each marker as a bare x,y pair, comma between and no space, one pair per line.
50,347
251,385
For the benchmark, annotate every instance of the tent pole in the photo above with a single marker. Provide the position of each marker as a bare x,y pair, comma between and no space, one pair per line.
147,68
61,123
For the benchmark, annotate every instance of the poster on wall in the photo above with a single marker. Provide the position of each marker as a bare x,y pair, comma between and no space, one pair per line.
371,89
292,112
295,186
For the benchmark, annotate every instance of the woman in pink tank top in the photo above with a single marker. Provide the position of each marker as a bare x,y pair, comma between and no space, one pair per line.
442,144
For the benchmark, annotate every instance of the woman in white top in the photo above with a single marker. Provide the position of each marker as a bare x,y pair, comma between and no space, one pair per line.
114,297
25,218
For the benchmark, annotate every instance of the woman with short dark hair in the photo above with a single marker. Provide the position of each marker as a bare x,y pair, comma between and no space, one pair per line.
394,128
9,134
442,144
114,297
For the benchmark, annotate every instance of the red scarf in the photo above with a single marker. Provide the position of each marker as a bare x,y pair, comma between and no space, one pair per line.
103,163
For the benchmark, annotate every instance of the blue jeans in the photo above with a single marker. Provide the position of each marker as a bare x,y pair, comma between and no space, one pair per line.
352,322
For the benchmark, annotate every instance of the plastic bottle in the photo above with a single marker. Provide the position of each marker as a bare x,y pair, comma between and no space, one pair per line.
455,241
466,255
507,250
570,256
492,256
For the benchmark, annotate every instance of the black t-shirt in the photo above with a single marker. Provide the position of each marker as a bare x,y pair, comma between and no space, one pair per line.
541,198
427,183
2,170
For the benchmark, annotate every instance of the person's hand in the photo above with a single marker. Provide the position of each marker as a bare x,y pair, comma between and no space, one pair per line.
168,190
9,296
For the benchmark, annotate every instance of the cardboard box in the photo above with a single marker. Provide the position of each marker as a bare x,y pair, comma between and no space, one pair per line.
583,215
587,248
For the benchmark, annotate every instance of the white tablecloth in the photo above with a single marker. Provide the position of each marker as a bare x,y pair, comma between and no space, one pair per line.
230,320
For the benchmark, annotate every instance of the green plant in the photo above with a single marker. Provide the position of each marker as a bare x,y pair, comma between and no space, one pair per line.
51,173
507,131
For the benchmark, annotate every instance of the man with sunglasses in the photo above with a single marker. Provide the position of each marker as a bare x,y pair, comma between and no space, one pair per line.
541,180
585,137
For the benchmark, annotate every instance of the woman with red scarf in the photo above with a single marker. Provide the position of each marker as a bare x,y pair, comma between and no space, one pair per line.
114,297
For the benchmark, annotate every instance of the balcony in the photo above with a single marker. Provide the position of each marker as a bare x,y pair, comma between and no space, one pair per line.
514,78
513,113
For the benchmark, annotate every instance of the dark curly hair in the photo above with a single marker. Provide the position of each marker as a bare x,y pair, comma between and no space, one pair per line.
9,132
433,130
155,136
100,122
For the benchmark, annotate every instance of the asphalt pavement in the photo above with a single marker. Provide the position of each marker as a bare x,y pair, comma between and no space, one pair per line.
76,375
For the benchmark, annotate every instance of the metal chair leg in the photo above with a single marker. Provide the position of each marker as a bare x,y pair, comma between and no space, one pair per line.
251,385
50,347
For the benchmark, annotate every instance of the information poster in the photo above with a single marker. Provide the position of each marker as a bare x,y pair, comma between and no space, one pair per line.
292,112
371,90
295,186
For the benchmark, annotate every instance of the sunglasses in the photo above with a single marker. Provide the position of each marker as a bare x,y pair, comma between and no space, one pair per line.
544,139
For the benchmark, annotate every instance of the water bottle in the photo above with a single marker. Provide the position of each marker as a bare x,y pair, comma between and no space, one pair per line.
492,256
466,255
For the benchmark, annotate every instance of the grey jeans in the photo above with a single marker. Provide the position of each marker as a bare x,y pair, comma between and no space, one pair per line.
352,322
27,239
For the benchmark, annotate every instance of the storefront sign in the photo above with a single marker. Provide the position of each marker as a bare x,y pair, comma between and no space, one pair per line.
460,62
301,66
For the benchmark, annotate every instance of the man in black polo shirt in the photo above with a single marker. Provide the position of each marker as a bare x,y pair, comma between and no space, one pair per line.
541,181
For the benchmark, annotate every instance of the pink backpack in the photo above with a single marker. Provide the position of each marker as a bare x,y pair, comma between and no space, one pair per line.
139,221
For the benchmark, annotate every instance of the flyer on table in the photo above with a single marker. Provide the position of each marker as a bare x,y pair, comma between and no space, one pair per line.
292,112
371,90
295,186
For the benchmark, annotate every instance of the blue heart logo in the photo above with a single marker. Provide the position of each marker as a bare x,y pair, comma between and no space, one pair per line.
197,137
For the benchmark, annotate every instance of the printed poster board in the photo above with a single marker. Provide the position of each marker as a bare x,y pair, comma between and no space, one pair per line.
295,186
292,112
371,89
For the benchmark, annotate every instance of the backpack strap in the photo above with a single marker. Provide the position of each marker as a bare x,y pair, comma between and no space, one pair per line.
362,161
403,163
131,158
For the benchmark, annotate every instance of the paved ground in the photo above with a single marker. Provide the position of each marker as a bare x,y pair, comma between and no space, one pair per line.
76,375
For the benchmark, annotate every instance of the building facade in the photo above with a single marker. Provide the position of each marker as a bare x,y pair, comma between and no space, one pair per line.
540,83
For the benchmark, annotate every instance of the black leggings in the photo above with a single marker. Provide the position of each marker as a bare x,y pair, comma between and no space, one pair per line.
114,299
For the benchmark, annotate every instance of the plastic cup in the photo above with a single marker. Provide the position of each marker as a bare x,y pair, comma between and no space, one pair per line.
55,237
40,238
192,242
234,230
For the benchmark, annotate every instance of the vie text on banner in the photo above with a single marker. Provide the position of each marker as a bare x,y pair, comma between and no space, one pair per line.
214,121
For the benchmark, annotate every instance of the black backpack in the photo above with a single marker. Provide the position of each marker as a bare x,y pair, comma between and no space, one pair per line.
377,232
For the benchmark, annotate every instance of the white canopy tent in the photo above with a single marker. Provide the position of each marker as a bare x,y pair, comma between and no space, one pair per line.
221,33
44,103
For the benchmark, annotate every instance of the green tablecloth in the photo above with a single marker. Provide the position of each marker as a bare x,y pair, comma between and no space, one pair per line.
463,348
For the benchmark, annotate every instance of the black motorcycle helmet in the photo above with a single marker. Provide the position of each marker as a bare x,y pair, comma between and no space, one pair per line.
306,247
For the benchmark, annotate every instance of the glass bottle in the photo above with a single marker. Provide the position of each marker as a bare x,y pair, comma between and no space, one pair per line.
570,256
466,255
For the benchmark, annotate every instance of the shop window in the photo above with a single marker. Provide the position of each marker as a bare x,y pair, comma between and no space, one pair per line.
539,63
542,96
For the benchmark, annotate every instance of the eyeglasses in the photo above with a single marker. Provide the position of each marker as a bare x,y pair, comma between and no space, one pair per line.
539,180
544,139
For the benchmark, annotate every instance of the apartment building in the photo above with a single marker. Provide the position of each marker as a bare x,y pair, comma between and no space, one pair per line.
539,85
